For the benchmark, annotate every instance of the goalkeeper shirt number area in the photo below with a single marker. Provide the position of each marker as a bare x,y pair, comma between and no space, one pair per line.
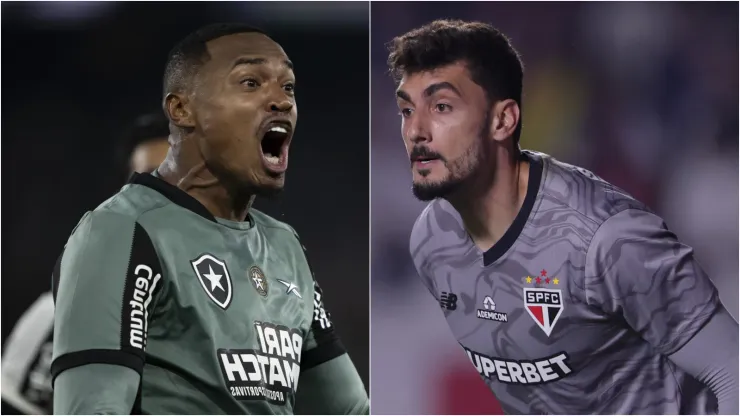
216,316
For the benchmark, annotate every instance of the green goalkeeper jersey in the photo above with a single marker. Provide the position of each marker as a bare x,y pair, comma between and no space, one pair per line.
163,309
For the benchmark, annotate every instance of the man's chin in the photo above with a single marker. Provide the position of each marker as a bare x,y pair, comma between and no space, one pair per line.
427,191
270,190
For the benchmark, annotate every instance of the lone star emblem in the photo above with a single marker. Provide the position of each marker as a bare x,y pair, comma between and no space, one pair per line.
258,280
214,278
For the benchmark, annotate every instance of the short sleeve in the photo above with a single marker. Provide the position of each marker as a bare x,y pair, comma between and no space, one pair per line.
637,269
104,287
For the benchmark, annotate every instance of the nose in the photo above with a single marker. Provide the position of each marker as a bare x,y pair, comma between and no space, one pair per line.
281,106
416,131
279,101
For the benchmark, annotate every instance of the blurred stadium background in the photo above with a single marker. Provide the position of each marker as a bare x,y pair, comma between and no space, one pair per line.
76,73
643,94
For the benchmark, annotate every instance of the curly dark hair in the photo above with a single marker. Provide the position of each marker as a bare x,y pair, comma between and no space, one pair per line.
493,62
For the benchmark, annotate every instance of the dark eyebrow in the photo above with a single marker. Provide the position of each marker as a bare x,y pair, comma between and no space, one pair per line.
403,95
430,90
259,61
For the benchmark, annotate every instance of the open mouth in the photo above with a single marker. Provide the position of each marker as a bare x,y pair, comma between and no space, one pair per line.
274,145
424,161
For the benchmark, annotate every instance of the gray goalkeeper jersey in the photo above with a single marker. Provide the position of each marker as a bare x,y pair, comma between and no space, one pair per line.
577,307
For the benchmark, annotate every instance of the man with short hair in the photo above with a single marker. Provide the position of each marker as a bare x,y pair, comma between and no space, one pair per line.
568,295
175,296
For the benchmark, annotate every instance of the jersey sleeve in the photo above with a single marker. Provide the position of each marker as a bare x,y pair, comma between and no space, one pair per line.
419,235
637,269
322,343
26,360
711,358
105,283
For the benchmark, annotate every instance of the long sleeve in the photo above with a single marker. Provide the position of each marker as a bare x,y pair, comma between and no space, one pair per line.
332,388
711,357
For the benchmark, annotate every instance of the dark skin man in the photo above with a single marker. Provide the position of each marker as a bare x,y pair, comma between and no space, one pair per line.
219,152
202,297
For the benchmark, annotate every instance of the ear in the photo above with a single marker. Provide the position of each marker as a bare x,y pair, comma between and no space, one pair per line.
179,110
506,115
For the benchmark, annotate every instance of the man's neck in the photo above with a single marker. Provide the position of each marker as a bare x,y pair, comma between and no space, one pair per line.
490,205
200,183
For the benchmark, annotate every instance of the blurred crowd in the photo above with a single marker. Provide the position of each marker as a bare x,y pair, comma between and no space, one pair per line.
643,94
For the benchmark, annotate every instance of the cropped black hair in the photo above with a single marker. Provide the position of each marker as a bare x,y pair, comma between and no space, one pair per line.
190,53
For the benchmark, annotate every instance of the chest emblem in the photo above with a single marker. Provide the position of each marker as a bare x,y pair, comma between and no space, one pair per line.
257,277
214,277
544,304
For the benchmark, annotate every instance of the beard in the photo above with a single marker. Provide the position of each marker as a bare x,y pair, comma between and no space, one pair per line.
461,170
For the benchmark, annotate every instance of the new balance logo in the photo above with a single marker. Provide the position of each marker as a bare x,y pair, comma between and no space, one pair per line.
448,301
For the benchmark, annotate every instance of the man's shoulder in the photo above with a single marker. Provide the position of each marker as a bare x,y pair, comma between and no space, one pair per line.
437,226
584,192
121,211
132,201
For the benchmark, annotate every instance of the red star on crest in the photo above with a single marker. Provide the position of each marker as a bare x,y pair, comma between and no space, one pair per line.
547,280
544,272
538,280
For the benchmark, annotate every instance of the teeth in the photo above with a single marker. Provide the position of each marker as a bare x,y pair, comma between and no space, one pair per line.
424,162
278,129
273,159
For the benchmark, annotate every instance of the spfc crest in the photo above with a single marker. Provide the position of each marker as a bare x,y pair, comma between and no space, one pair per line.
544,306
214,277
257,277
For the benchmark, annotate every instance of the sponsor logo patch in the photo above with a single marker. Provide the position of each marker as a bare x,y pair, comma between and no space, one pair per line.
268,373
290,288
489,311
544,370
139,296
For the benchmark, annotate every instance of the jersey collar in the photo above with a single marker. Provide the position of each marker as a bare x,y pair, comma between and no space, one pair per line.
171,192
512,234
